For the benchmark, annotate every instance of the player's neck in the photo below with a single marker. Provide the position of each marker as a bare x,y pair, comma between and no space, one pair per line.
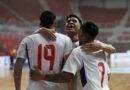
74,38
86,41
50,29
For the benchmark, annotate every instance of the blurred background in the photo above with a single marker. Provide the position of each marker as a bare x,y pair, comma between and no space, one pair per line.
19,18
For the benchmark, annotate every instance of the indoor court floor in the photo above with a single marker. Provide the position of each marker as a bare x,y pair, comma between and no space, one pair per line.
117,81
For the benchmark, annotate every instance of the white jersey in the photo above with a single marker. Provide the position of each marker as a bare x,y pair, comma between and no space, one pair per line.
75,44
92,69
47,55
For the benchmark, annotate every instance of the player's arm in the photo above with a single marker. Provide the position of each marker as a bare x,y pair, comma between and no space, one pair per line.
70,84
109,77
47,33
68,49
91,47
66,57
106,47
108,71
18,73
63,77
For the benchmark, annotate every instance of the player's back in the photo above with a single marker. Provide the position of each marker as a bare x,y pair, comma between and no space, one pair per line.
94,71
47,55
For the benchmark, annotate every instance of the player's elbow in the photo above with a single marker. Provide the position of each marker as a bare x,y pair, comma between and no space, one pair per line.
68,77
112,49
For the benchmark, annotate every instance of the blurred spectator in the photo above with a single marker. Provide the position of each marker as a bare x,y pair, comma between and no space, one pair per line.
3,51
12,53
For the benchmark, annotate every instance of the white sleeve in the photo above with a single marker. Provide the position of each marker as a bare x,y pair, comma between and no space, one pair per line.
36,31
21,52
68,46
73,63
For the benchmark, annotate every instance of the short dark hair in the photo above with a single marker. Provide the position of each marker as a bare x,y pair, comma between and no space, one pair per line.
72,15
47,19
90,29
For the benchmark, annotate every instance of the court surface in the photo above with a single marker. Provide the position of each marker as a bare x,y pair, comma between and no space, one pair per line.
117,81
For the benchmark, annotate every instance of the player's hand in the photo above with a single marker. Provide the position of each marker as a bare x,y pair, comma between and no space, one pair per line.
35,74
91,47
47,33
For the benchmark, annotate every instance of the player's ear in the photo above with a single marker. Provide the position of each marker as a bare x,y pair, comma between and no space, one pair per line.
40,25
55,23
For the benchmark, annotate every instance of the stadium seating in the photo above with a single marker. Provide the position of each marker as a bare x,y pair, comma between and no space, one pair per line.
10,39
103,36
128,22
25,14
7,17
28,9
125,36
102,16
60,7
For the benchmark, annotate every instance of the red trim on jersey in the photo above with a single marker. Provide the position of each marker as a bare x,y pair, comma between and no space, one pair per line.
50,57
40,56
101,64
43,76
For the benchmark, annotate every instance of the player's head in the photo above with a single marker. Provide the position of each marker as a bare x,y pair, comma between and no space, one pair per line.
73,24
74,16
88,32
47,19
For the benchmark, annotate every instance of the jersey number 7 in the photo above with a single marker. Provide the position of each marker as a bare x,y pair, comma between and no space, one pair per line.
101,64
49,55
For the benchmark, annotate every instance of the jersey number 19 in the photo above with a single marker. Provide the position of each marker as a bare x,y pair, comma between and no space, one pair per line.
49,55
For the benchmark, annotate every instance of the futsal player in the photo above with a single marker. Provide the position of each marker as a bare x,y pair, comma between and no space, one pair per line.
46,54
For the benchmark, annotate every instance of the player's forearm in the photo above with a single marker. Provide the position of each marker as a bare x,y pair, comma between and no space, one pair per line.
109,49
70,85
66,57
59,78
17,75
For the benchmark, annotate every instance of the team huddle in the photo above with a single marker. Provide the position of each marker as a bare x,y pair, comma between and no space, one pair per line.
75,61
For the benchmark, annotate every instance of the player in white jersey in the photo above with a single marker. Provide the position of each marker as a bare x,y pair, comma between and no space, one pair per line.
92,70
92,66
72,27
45,54
73,24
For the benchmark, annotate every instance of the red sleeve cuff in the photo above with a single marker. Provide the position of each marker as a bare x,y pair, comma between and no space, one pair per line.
43,76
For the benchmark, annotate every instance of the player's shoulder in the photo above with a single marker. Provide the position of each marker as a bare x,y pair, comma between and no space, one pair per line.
77,50
97,41
29,37
34,35
61,35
